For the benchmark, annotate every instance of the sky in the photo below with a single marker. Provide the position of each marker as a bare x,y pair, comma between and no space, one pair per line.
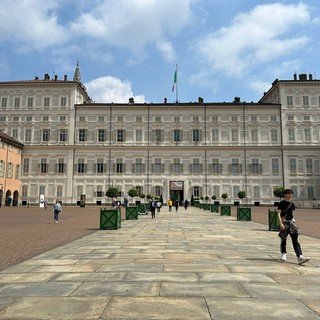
221,49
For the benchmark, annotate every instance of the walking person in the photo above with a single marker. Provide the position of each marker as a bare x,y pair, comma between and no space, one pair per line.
176,204
288,227
56,210
170,205
186,204
153,205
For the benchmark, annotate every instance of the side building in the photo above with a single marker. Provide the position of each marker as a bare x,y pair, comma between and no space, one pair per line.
10,170
75,148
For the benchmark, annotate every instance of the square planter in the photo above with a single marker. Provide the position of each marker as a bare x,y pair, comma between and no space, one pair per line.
273,220
225,210
206,206
131,213
214,208
243,214
110,219
142,208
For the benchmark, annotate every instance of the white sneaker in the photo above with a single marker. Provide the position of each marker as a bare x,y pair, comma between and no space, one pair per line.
303,259
283,257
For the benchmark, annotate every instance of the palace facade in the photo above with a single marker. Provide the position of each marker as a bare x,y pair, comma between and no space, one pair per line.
74,147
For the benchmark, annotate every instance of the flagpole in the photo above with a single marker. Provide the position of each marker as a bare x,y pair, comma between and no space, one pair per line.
177,84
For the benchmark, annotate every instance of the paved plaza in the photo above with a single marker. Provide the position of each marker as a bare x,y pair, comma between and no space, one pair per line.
187,265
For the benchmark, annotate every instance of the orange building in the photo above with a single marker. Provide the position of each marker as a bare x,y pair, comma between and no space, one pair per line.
10,170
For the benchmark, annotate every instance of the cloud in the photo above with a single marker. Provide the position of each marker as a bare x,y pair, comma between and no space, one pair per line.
110,89
263,34
166,49
31,24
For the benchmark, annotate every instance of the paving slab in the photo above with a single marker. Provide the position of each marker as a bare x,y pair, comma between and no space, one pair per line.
191,265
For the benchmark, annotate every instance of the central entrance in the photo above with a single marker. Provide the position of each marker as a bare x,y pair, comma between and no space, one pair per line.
177,190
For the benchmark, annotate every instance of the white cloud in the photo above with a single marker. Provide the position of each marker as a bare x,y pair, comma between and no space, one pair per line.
166,49
253,38
31,24
110,89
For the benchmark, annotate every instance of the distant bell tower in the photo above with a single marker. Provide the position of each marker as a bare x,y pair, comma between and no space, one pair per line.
77,75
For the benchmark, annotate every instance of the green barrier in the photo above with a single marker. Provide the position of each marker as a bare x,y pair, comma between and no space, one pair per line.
214,208
243,214
142,208
225,210
206,206
110,219
273,220
131,213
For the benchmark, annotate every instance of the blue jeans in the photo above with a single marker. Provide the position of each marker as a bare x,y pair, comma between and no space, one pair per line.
56,215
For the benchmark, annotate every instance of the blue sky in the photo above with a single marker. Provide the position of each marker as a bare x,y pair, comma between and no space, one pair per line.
130,48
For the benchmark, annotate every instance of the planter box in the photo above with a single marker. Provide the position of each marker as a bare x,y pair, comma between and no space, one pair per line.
206,206
273,220
225,210
243,214
214,208
131,213
142,208
110,219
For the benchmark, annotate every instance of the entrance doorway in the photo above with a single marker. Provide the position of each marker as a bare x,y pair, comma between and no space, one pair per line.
176,191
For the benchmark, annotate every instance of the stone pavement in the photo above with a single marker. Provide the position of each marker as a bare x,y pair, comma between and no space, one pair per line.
187,265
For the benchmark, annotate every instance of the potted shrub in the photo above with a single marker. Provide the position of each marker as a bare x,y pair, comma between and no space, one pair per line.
215,205
225,210
243,213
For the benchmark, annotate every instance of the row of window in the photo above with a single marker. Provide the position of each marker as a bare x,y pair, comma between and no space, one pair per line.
304,101
197,191
30,102
176,167
12,171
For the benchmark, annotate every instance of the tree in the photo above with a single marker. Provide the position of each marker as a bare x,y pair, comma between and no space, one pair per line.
132,193
214,197
242,195
278,192
112,192
142,196
224,196
206,198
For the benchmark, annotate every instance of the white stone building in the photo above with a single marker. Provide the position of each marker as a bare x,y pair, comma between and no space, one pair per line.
75,147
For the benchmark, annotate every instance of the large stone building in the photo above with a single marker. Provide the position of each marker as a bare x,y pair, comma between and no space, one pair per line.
75,147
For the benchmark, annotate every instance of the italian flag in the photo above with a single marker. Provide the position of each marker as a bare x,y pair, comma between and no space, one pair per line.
174,80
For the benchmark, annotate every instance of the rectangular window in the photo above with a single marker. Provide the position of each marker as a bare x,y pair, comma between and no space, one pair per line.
158,135
196,192
119,166
256,192
255,167
309,167
45,135
81,167
195,119
306,118
82,118
158,166
216,167
17,176
275,166
120,135
45,118
42,189
14,133
99,192
63,101
138,119
234,118
157,119
177,135
290,101
59,191
138,135
215,119
29,118
176,166
16,118
274,135
196,135
292,166
27,136
101,135
305,101
63,135
82,135
16,102
235,166
30,102
253,118
101,118
176,119
307,134
254,135
234,135
235,191
290,117
25,165
46,102
158,191
291,135
61,166
2,168
273,118
100,168
120,118
43,166
24,191
215,135
139,189
196,167
4,102
310,192
138,166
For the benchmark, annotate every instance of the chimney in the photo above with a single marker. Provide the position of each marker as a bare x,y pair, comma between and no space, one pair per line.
310,76
200,100
131,101
55,78
295,76
165,100
236,100
46,76
65,78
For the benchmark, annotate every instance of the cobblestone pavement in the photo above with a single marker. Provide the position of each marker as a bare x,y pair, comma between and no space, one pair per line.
188,265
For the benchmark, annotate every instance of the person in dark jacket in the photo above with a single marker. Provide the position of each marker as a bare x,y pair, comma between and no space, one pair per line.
153,206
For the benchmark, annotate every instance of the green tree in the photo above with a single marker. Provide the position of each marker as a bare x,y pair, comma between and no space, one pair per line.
242,195
206,198
224,196
278,192
112,192
214,197
132,193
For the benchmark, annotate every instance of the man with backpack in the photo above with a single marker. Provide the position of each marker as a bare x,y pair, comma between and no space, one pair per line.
56,210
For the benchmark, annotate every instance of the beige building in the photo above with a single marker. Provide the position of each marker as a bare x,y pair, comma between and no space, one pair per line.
75,147
10,170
